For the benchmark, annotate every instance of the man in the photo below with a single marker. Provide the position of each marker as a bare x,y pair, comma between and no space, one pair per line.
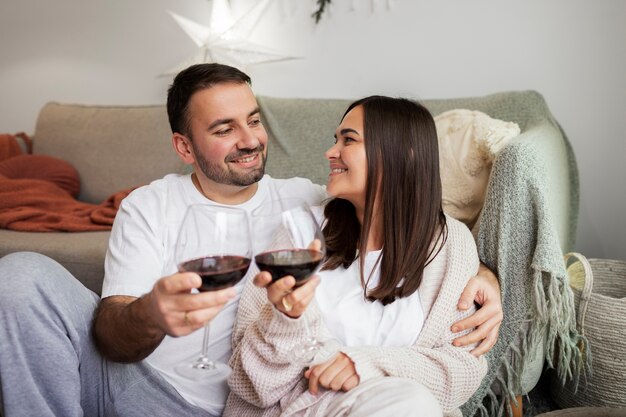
49,362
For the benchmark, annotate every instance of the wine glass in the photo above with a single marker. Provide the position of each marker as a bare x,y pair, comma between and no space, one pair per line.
288,241
214,242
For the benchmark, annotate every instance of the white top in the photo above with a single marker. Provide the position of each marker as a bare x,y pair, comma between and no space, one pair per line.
141,251
355,321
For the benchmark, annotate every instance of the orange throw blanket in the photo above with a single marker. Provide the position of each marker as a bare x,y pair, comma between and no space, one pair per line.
37,194
40,206
10,145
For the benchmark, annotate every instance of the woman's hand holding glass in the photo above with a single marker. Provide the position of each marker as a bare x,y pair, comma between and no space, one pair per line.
288,299
337,373
289,248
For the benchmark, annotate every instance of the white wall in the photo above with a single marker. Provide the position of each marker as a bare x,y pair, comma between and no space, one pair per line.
572,51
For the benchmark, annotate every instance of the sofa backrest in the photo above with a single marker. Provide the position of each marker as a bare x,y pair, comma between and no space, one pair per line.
300,130
111,147
117,147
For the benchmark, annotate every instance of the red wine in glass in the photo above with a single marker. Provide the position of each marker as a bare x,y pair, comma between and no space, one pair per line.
299,263
217,272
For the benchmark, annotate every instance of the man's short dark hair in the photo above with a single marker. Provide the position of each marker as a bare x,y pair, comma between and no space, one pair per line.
193,79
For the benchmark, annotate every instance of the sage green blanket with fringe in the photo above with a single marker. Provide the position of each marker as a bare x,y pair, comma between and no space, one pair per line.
528,221
519,239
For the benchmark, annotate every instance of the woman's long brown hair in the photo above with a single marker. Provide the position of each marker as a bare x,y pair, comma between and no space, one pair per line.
403,168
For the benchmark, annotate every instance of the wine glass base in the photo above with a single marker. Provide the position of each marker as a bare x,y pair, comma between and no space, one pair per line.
204,369
309,351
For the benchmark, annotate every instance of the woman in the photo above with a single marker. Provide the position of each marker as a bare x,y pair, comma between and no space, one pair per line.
391,309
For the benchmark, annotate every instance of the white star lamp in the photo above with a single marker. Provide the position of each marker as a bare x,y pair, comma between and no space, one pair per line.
226,40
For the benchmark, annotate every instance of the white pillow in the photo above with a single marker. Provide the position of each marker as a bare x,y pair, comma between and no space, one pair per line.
468,144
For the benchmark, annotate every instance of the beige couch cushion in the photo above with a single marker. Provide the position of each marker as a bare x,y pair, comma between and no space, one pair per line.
138,145
468,144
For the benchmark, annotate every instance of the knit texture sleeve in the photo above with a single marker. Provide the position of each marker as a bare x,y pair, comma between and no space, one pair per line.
451,373
264,369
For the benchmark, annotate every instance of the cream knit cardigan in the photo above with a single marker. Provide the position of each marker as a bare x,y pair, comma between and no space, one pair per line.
266,381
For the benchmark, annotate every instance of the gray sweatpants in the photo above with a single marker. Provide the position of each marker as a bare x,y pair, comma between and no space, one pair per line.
49,365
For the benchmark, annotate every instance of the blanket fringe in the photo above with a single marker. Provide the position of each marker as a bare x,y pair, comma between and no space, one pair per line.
567,351
554,325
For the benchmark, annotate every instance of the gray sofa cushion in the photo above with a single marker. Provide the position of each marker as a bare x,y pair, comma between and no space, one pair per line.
300,131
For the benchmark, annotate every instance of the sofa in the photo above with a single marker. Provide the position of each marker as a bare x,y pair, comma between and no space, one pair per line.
117,147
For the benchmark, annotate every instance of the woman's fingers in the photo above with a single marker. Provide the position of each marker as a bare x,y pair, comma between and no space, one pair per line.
294,303
278,289
314,374
340,379
316,244
262,279
336,374
350,383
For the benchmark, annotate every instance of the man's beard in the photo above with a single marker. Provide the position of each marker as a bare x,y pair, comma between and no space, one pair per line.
220,175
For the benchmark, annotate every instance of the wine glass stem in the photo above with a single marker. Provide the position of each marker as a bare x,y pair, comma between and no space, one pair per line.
205,341
307,331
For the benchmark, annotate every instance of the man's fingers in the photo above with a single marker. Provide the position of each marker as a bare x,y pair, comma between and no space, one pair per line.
483,289
487,329
178,283
475,320
482,315
487,343
204,316
192,321
184,313
203,300
468,295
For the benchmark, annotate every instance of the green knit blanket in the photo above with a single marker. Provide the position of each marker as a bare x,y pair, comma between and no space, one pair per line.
518,239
